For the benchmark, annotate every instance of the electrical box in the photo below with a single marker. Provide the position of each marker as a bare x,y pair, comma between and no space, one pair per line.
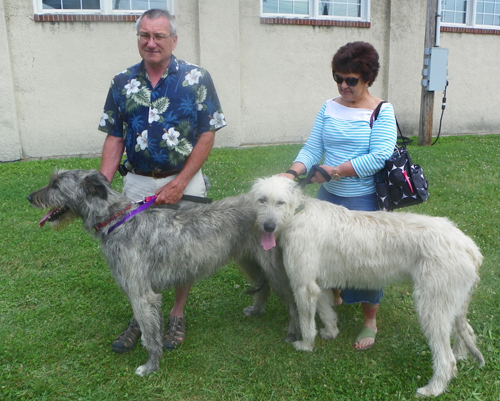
435,71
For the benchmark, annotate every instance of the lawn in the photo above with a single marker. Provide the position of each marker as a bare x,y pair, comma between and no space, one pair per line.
60,308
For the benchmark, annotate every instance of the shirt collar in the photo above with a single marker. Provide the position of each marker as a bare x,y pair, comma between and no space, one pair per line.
172,68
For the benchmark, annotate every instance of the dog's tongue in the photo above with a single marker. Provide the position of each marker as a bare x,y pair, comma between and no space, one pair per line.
45,218
268,241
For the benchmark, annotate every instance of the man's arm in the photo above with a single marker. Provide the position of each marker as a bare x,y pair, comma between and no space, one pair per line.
172,192
112,152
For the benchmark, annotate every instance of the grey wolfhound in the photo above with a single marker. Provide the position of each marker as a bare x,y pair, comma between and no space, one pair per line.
160,247
328,246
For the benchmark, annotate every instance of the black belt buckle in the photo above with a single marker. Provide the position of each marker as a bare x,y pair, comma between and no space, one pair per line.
122,170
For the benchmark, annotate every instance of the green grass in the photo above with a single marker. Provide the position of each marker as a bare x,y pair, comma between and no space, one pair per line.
60,308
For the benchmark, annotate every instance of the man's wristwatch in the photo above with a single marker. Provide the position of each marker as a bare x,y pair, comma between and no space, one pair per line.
335,176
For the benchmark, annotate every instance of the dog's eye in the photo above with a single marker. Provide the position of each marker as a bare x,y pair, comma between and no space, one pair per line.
281,203
262,200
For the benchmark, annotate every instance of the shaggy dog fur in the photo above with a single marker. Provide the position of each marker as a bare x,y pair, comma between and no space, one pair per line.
328,246
161,247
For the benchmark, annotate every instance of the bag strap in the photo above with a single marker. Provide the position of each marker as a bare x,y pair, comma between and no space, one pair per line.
374,116
376,112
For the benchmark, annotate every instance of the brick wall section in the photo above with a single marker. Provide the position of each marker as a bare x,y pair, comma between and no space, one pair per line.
470,30
356,24
263,20
85,18
314,22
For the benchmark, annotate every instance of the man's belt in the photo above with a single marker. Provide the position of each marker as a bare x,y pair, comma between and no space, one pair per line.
156,174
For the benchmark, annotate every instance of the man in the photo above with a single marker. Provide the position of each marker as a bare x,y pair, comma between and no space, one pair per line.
164,113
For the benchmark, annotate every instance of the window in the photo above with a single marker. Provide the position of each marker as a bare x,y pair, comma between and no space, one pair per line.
336,8
296,7
347,10
471,13
99,6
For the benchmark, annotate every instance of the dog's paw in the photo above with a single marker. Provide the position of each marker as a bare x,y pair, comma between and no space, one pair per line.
422,392
428,392
302,346
253,311
292,337
145,370
140,371
327,334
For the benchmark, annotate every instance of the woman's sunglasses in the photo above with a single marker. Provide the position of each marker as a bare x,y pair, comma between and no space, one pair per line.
349,81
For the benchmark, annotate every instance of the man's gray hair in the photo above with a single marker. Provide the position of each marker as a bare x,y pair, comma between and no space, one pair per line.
155,13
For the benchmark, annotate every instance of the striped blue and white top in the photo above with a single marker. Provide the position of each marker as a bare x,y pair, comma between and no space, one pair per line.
343,133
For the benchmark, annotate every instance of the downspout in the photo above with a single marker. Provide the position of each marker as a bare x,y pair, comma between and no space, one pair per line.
438,23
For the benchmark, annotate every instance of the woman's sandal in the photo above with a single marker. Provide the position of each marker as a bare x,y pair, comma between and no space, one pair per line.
365,332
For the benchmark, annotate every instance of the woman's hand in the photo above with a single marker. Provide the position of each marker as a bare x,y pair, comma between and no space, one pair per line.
319,178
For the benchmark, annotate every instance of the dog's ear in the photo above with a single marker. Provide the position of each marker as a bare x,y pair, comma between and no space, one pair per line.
296,193
93,185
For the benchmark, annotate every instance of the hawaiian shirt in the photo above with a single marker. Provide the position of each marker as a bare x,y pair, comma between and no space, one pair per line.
161,125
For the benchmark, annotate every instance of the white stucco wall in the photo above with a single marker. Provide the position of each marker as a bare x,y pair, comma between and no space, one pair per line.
61,73
10,138
286,74
406,50
473,92
271,79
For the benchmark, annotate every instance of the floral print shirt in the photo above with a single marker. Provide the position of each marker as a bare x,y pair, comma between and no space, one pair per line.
161,125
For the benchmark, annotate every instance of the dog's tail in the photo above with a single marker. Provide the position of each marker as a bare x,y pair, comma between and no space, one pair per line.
475,255
465,339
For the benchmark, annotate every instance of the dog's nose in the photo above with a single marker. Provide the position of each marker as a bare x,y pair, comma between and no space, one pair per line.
29,197
269,227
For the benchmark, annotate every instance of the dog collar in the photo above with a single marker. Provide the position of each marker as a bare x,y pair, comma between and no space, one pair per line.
300,208
97,227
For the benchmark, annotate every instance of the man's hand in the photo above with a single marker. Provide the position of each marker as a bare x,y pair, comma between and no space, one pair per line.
172,192
169,194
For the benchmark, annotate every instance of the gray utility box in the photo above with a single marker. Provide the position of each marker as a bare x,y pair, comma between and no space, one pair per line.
435,69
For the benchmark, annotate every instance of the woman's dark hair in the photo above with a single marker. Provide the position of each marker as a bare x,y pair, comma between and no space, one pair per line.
358,58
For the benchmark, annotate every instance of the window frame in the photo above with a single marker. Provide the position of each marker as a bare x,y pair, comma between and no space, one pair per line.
106,9
314,13
470,18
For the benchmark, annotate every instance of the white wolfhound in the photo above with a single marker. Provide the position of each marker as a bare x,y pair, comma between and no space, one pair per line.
328,246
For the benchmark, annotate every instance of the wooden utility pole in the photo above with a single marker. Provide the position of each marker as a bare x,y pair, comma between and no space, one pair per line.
427,98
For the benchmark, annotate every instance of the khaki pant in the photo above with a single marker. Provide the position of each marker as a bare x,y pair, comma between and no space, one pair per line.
136,187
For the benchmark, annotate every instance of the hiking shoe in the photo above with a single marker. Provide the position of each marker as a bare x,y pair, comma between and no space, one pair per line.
127,340
176,332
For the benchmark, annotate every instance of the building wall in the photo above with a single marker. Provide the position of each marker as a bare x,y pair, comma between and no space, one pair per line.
271,79
11,148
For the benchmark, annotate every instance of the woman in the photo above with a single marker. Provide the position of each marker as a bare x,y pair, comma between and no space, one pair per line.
353,154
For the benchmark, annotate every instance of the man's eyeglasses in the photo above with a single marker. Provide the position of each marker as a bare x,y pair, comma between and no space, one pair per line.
157,38
350,81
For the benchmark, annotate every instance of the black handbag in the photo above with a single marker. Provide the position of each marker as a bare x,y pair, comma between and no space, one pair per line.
402,183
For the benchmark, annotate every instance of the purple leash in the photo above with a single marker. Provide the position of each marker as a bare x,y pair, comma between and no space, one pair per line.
144,206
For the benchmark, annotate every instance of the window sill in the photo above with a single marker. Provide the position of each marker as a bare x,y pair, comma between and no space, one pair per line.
313,22
477,31
85,17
